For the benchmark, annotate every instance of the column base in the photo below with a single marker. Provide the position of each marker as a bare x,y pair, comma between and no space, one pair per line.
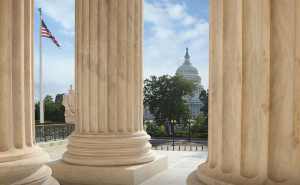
41,177
70,174
205,175
51,181
30,171
193,180
108,149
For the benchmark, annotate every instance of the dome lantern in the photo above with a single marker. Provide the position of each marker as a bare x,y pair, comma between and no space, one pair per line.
187,56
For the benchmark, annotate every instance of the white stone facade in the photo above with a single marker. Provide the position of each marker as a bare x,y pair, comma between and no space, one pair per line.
189,72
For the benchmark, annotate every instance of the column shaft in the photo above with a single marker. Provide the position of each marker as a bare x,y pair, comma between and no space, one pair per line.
254,93
109,85
251,93
130,66
102,54
282,52
21,161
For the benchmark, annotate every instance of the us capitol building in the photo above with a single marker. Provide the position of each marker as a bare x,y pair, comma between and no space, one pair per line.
189,72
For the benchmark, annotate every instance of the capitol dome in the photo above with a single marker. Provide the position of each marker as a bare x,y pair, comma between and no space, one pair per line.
187,67
189,72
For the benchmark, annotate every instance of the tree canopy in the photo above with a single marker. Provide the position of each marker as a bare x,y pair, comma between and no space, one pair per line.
59,98
48,98
166,97
150,126
201,125
204,99
53,111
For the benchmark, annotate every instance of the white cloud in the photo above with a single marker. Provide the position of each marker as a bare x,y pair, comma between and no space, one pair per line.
188,20
167,14
156,14
62,11
58,74
67,33
66,45
176,11
58,65
169,28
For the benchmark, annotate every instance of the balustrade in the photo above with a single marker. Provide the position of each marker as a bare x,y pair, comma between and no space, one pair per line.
46,132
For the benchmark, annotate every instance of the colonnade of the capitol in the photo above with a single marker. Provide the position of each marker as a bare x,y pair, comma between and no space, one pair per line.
254,103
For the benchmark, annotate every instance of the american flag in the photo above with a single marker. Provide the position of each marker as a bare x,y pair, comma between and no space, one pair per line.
47,33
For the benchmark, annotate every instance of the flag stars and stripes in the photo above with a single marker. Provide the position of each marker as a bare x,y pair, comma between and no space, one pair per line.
47,33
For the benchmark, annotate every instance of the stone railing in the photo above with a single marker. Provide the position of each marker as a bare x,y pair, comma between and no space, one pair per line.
53,131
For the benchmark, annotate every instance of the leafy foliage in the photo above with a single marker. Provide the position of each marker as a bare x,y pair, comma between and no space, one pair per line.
204,99
165,97
59,98
161,128
48,98
54,112
177,134
150,126
201,125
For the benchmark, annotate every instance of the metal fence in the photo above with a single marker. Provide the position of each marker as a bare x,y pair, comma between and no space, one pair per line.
180,148
53,131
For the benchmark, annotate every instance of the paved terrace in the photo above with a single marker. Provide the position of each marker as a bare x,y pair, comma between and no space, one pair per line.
180,165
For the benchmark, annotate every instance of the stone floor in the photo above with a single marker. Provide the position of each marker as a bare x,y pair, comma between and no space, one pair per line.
180,165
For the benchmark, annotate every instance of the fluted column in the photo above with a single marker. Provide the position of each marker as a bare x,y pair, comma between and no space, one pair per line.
254,100
21,160
109,116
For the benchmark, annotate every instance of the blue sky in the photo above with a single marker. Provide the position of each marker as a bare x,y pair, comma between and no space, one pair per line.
169,27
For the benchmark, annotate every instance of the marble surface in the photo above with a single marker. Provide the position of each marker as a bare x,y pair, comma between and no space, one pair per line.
180,165
254,93
69,174
55,149
109,86
21,161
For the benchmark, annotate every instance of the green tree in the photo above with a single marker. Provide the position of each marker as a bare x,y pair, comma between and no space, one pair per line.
166,98
150,126
183,114
201,125
37,110
50,109
161,128
59,113
204,99
59,98
53,111
48,98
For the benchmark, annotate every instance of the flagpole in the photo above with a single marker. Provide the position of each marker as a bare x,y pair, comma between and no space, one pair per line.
41,73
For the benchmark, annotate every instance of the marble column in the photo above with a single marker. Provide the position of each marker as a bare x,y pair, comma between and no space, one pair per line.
21,160
109,79
254,100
